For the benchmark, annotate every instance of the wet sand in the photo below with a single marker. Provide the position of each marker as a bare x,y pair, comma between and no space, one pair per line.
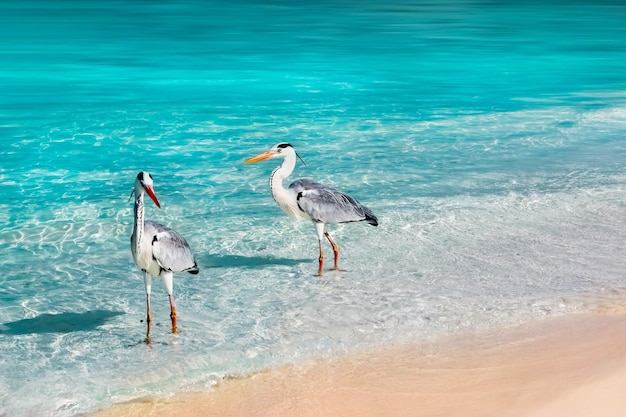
568,366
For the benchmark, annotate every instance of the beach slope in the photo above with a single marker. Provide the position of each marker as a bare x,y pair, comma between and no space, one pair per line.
573,365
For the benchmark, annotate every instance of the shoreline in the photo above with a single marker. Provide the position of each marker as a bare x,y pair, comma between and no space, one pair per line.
572,365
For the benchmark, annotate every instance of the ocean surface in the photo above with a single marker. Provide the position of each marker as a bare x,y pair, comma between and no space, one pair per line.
489,139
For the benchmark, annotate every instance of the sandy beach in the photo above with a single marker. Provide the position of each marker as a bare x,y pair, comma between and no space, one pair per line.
573,365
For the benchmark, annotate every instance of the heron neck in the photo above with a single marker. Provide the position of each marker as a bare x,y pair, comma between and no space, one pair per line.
279,174
139,221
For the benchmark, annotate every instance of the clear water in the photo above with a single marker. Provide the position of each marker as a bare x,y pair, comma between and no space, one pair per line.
488,138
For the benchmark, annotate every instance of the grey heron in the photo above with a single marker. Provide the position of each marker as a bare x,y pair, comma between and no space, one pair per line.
309,200
157,250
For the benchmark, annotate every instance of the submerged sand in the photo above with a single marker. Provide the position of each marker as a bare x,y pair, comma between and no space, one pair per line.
571,366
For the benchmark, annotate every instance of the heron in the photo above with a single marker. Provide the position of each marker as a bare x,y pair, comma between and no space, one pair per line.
310,200
157,250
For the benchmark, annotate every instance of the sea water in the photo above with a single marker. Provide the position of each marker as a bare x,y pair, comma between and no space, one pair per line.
489,139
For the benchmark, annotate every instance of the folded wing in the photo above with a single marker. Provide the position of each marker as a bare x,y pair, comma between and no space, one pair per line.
171,250
328,205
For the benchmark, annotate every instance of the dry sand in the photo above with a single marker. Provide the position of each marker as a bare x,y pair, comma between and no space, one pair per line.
561,367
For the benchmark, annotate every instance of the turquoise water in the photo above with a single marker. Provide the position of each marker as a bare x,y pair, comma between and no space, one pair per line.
488,138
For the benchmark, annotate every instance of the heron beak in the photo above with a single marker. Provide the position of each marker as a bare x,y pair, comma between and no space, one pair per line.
261,157
150,192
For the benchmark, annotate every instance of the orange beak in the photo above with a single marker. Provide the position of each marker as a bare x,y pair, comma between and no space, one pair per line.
260,157
150,192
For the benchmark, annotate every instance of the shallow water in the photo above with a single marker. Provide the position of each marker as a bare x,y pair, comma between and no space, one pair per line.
487,138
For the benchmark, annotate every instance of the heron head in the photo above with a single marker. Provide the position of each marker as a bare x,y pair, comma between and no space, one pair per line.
145,183
282,150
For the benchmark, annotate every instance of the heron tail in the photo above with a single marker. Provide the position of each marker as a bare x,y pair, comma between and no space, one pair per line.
194,269
370,218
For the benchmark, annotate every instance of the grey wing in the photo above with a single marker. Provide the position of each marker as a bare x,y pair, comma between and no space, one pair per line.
328,205
171,250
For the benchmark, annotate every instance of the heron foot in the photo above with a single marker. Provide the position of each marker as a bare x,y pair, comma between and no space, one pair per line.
320,274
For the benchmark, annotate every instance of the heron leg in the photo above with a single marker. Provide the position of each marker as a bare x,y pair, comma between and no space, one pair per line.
321,259
335,249
148,318
148,282
168,281
173,313
319,228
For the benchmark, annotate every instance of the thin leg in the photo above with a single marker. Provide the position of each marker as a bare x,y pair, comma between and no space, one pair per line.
335,249
319,271
148,318
173,313
319,228
168,282
147,278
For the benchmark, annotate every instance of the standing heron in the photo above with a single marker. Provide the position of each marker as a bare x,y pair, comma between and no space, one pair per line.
309,200
157,250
